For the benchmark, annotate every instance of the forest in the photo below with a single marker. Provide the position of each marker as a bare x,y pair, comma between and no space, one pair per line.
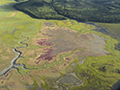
107,11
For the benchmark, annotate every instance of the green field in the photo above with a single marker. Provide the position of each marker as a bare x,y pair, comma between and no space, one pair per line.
115,28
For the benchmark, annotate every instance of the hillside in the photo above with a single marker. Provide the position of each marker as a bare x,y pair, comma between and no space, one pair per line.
80,10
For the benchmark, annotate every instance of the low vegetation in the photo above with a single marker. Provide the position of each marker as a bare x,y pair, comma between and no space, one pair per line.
96,72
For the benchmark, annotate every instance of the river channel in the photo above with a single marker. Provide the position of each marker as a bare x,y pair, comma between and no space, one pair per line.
13,62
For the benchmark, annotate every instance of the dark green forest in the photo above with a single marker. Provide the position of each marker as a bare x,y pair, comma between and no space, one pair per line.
107,11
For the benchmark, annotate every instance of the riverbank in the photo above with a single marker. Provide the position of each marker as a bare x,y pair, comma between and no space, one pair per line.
13,62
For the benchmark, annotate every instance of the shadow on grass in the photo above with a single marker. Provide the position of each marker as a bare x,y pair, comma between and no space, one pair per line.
8,7
116,86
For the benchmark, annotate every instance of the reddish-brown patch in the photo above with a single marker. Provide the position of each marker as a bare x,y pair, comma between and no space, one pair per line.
46,35
7,74
68,59
54,71
45,56
65,64
2,81
43,42
22,78
37,61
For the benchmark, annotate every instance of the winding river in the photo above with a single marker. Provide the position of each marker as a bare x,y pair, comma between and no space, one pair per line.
13,62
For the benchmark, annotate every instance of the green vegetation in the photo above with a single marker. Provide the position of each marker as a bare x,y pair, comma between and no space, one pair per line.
113,31
46,86
80,10
111,27
39,9
117,46
97,73
34,84
17,31
46,65
21,0
22,71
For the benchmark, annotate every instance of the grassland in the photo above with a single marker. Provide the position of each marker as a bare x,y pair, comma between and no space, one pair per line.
110,26
97,72
13,30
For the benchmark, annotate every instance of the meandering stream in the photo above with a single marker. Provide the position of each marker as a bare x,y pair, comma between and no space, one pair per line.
13,62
